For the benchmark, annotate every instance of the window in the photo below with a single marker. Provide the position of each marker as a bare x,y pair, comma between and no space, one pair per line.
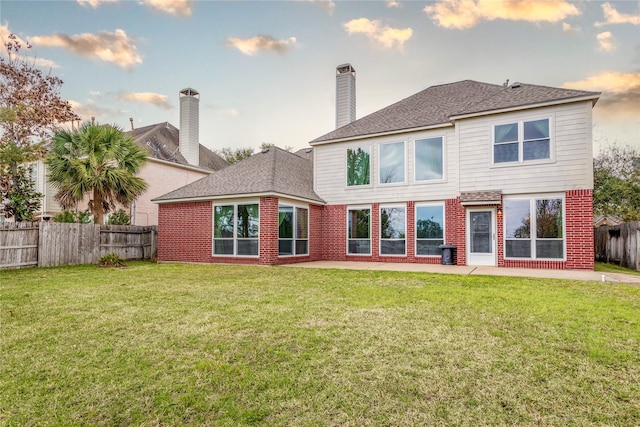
358,166
359,231
429,159
522,141
293,230
534,228
429,229
236,229
392,163
393,230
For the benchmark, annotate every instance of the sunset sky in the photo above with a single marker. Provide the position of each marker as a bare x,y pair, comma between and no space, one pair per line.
265,70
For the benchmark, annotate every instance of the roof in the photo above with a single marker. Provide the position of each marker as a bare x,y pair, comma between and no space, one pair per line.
162,142
438,105
273,171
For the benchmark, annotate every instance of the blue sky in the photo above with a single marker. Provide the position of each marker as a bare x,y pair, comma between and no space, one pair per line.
265,70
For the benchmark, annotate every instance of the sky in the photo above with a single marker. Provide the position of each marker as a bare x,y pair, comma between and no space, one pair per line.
265,70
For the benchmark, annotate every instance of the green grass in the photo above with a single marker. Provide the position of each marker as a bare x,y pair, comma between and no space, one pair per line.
613,268
167,344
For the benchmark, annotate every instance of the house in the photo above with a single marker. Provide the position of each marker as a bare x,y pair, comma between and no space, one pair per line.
502,172
176,158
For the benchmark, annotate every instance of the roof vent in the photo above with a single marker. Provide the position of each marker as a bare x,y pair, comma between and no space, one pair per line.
515,85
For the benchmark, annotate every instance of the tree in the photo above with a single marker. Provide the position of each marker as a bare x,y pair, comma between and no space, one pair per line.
234,155
100,160
30,109
616,186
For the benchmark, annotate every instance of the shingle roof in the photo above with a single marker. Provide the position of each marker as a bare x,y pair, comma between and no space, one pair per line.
436,105
274,171
162,142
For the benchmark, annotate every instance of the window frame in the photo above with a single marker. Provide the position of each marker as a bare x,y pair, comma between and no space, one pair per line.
404,163
359,208
380,238
346,169
235,237
533,238
415,160
294,236
444,227
521,141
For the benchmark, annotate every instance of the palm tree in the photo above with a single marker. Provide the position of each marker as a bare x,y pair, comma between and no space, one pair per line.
96,159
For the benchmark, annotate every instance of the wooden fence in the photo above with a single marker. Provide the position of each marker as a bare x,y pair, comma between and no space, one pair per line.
619,244
48,244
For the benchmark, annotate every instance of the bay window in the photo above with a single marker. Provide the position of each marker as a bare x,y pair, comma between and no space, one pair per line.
236,229
534,228
293,230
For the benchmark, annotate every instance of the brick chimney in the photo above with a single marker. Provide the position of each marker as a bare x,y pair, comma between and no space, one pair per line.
345,94
190,125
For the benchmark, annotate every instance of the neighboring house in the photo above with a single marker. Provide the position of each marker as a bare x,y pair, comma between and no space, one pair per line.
176,158
607,220
504,173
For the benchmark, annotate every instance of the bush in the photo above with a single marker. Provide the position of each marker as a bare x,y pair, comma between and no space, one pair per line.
111,260
119,217
83,217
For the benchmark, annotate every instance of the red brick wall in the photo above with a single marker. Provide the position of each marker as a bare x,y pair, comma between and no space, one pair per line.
184,232
268,230
334,233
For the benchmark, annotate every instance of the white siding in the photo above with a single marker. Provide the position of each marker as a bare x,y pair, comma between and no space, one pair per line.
570,166
330,172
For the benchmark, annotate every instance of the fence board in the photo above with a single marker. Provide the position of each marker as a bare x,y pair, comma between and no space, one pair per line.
619,244
48,244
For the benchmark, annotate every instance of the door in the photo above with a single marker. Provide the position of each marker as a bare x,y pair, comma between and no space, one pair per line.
481,236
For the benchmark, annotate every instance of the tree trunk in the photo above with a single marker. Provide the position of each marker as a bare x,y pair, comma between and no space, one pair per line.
98,212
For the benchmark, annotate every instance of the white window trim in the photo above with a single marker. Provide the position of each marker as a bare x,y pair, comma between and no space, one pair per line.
520,123
444,161
294,239
358,208
404,158
380,239
415,226
346,167
235,228
532,198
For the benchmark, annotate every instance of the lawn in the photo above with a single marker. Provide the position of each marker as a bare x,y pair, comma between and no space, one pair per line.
168,344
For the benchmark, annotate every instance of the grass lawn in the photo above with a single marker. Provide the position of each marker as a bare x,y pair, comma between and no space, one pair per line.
613,268
166,344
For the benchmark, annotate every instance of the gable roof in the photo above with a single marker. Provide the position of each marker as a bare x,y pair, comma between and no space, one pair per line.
273,171
162,142
439,105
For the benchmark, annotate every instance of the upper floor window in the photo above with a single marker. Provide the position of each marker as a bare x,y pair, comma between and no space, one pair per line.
236,229
521,141
429,163
534,228
359,231
358,166
293,230
392,163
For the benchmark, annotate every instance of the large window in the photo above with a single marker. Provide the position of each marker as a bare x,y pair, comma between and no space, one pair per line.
236,229
359,231
293,230
534,228
521,141
358,166
393,230
429,159
429,229
392,161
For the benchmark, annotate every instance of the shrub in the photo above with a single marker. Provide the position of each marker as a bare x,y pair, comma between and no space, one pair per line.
111,260
83,217
119,217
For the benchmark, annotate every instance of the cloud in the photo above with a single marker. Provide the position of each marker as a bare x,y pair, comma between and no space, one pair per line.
146,98
88,110
95,3
620,97
393,3
38,62
384,36
463,14
173,7
612,16
566,27
255,44
328,5
606,42
114,47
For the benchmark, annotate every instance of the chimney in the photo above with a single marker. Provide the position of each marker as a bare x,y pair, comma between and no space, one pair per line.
345,95
189,126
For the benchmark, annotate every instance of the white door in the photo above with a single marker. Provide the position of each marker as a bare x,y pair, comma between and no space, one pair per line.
481,236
